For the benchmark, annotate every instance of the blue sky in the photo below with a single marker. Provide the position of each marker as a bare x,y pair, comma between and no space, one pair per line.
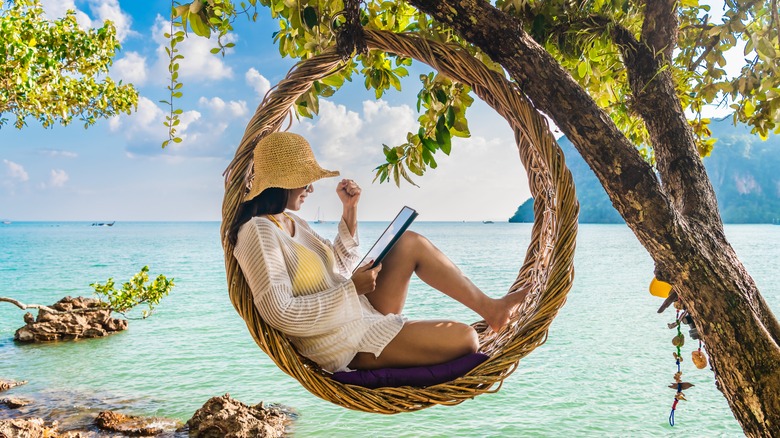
116,169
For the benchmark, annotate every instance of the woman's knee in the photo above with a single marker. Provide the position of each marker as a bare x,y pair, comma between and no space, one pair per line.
411,244
411,239
467,339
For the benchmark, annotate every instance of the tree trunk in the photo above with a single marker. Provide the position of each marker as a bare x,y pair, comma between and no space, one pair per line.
678,224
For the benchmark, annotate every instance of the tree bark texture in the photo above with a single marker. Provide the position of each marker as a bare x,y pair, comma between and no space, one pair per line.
677,222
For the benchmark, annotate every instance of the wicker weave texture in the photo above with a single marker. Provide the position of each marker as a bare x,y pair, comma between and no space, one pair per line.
547,267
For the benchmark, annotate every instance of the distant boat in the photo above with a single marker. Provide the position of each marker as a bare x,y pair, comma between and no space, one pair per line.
318,219
487,222
103,224
7,222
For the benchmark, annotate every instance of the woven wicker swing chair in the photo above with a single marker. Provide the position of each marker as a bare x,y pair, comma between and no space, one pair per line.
548,265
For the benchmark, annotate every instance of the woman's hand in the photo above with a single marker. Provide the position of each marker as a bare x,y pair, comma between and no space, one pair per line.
349,193
364,278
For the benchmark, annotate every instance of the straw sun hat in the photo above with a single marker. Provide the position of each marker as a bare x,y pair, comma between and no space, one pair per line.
284,160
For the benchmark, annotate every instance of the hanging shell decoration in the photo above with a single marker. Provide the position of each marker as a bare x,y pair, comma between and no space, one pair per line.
679,340
699,359
683,385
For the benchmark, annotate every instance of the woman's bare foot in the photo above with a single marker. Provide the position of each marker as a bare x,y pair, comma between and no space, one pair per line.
502,309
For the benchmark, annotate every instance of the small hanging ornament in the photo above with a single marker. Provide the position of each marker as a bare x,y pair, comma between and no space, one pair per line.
681,385
698,358
678,341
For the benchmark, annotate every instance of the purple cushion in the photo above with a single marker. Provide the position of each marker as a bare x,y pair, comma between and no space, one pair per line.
414,376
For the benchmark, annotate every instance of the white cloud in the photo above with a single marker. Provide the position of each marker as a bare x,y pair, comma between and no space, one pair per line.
482,179
218,106
59,153
258,82
203,134
199,64
58,178
16,171
336,132
131,68
58,8
147,123
110,10
101,10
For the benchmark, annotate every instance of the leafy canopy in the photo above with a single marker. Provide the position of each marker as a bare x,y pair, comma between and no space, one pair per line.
134,292
578,34
51,69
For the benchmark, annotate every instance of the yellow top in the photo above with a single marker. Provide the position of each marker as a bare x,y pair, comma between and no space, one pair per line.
309,270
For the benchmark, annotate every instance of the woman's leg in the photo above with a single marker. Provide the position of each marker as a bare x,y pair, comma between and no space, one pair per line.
422,343
414,253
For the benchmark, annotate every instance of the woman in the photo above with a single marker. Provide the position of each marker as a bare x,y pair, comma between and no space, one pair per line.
303,284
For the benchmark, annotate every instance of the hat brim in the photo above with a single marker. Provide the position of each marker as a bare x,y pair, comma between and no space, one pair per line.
298,181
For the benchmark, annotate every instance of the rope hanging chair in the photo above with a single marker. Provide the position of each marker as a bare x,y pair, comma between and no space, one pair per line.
548,264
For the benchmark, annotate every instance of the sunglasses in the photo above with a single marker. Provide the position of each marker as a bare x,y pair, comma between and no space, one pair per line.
308,187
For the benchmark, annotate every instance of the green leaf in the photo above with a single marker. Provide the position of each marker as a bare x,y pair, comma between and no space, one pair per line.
441,96
582,69
310,17
199,27
406,176
428,159
429,144
334,80
450,117
443,136
765,49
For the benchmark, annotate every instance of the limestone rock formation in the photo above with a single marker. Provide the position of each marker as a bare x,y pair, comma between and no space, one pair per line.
224,417
26,428
130,425
81,318
14,402
5,385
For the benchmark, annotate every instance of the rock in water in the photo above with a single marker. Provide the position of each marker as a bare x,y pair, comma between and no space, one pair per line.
224,417
14,402
26,428
85,318
134,426
8,384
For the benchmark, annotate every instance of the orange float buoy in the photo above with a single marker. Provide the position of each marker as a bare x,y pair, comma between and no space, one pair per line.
660,288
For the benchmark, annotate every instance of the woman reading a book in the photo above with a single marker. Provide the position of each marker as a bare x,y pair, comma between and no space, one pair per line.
304,285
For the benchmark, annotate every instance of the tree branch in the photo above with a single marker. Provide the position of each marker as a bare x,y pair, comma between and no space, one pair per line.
709,48
28,306
659,28
628,179
677,158
775,19
23,306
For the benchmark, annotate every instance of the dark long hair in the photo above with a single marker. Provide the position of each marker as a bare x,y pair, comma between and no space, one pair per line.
270,201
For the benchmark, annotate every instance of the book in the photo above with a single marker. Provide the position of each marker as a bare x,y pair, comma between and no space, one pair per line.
392,233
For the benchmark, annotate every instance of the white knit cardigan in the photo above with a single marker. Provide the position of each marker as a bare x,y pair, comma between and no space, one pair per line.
301,286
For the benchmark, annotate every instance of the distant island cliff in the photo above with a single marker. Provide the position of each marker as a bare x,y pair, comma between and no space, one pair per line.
743,170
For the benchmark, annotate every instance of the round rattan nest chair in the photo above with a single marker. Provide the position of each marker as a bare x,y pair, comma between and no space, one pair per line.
548,264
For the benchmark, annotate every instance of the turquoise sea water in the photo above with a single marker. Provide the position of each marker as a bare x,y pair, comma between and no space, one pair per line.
603,372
